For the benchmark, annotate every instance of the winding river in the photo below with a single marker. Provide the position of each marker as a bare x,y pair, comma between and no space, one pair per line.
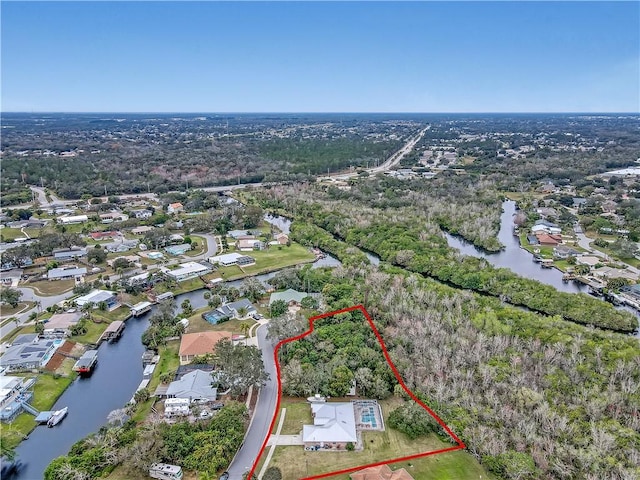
514,257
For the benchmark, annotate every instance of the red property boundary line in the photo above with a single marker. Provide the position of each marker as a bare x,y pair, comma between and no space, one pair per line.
460,444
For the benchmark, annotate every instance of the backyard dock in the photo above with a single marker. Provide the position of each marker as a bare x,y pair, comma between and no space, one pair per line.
113,332
86,362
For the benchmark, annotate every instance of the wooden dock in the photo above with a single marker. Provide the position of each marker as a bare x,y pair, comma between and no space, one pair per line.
113,332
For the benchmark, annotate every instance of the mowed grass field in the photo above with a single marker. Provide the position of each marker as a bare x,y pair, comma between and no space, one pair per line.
275,258
295,462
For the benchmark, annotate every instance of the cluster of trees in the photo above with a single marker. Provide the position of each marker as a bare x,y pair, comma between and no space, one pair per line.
405,237
163,324
341,350
206,447
533,397
10,296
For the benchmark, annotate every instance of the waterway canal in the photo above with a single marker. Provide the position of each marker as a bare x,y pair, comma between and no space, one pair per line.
116,376
513,257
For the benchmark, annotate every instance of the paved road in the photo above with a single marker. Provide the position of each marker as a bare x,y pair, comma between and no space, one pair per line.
259,428
29,295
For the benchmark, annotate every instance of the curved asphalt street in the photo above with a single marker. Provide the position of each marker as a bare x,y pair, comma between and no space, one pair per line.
259,428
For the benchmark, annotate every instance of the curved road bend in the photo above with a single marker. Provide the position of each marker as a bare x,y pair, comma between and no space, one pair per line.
259,428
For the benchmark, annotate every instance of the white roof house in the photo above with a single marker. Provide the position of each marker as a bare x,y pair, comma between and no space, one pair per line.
66,272
232,259
186,271
97,296
332,423
69,220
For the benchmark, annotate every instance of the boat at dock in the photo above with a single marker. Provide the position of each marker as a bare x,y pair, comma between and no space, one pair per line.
113,332
140,308
546,263
86,362
164,296
57,417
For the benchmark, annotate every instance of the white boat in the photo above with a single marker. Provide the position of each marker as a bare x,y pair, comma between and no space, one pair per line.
57,417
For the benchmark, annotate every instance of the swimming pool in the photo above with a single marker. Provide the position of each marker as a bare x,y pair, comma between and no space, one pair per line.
56,344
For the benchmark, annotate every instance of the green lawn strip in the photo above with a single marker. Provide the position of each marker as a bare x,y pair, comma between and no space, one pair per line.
169,362
181,287
56,287
46,391
275,258
294,462
200,249
8,310
298,414
9,234
94,331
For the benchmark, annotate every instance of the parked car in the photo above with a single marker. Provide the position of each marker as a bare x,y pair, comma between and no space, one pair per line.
224,476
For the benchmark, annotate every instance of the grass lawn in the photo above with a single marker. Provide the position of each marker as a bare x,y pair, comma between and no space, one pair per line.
169,362
45,393
56,287
94,330
182,287
270,260
200,249
298,414
8,310
10,234
199,324
294,462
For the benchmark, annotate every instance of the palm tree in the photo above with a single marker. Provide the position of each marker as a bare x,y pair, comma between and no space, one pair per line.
244,328
242,312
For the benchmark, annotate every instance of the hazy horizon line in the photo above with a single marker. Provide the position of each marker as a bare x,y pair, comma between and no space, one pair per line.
34,112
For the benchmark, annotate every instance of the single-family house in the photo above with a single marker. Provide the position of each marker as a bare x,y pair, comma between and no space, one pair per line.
289,296
201,343
133,259
195,386
186,271
63,254
60,324
175,207
178,249
63,273
14,391
73,219
110,217
532,240
334,426
281,238
248,244
96,297
27,352
579,202
381,472
563,251
548,240
142,214
141,230
239,309
99,236
228,259
545,226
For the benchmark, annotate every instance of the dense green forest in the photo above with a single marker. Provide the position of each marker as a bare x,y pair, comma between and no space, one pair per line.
407,237
532,396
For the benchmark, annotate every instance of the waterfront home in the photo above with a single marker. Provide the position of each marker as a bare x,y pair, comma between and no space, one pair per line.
290,297
201,343
186,271
60,324
229,259
27,352
549,240
230,310
96,297
195,386
562,251
14,392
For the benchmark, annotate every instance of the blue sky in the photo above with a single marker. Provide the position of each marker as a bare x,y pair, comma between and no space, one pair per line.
321,57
